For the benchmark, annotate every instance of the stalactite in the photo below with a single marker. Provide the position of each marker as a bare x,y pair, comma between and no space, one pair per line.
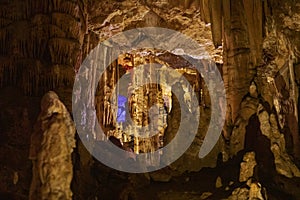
4,22
56,4
13,11
114,86
4,41
55,32
27,9
205,11
293,124
35,7
63,49
4,11
136,145
12,69
67,7
5,67
20,49
255,28
35,79
216,21
104,87
73,30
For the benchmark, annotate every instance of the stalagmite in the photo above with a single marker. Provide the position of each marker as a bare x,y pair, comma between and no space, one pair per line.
52,143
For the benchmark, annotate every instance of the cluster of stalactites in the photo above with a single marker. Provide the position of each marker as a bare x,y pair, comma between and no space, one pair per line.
40,43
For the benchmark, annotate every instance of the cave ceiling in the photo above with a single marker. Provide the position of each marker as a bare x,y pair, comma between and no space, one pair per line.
126,15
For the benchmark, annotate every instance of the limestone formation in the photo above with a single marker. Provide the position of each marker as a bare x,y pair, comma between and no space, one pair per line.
237,139
219,182
52,143
254,192
253,90
239,193
255,43
269,128
43,43
247,166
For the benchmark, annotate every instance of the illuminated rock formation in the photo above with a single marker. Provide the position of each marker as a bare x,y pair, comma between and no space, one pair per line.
255,44
52,143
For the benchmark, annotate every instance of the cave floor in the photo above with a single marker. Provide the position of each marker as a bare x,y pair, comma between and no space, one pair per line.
116,185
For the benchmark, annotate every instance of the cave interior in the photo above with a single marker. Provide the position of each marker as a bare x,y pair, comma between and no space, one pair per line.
53,104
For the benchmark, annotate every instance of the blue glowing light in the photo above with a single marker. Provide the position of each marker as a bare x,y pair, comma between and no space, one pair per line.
121,116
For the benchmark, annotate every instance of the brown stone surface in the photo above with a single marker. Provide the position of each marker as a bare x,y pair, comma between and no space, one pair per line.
52,143
247,166
284,164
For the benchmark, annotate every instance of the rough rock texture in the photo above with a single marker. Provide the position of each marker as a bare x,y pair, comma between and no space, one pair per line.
254,192
239,193
242,50
237,138
258,47
219,182
278,80
283,162
128,14
52,143
247,166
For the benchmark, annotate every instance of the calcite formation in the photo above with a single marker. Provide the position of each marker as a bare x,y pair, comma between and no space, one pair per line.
247,166
43,43
255,43
247,108
283,162
52,143
254,192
